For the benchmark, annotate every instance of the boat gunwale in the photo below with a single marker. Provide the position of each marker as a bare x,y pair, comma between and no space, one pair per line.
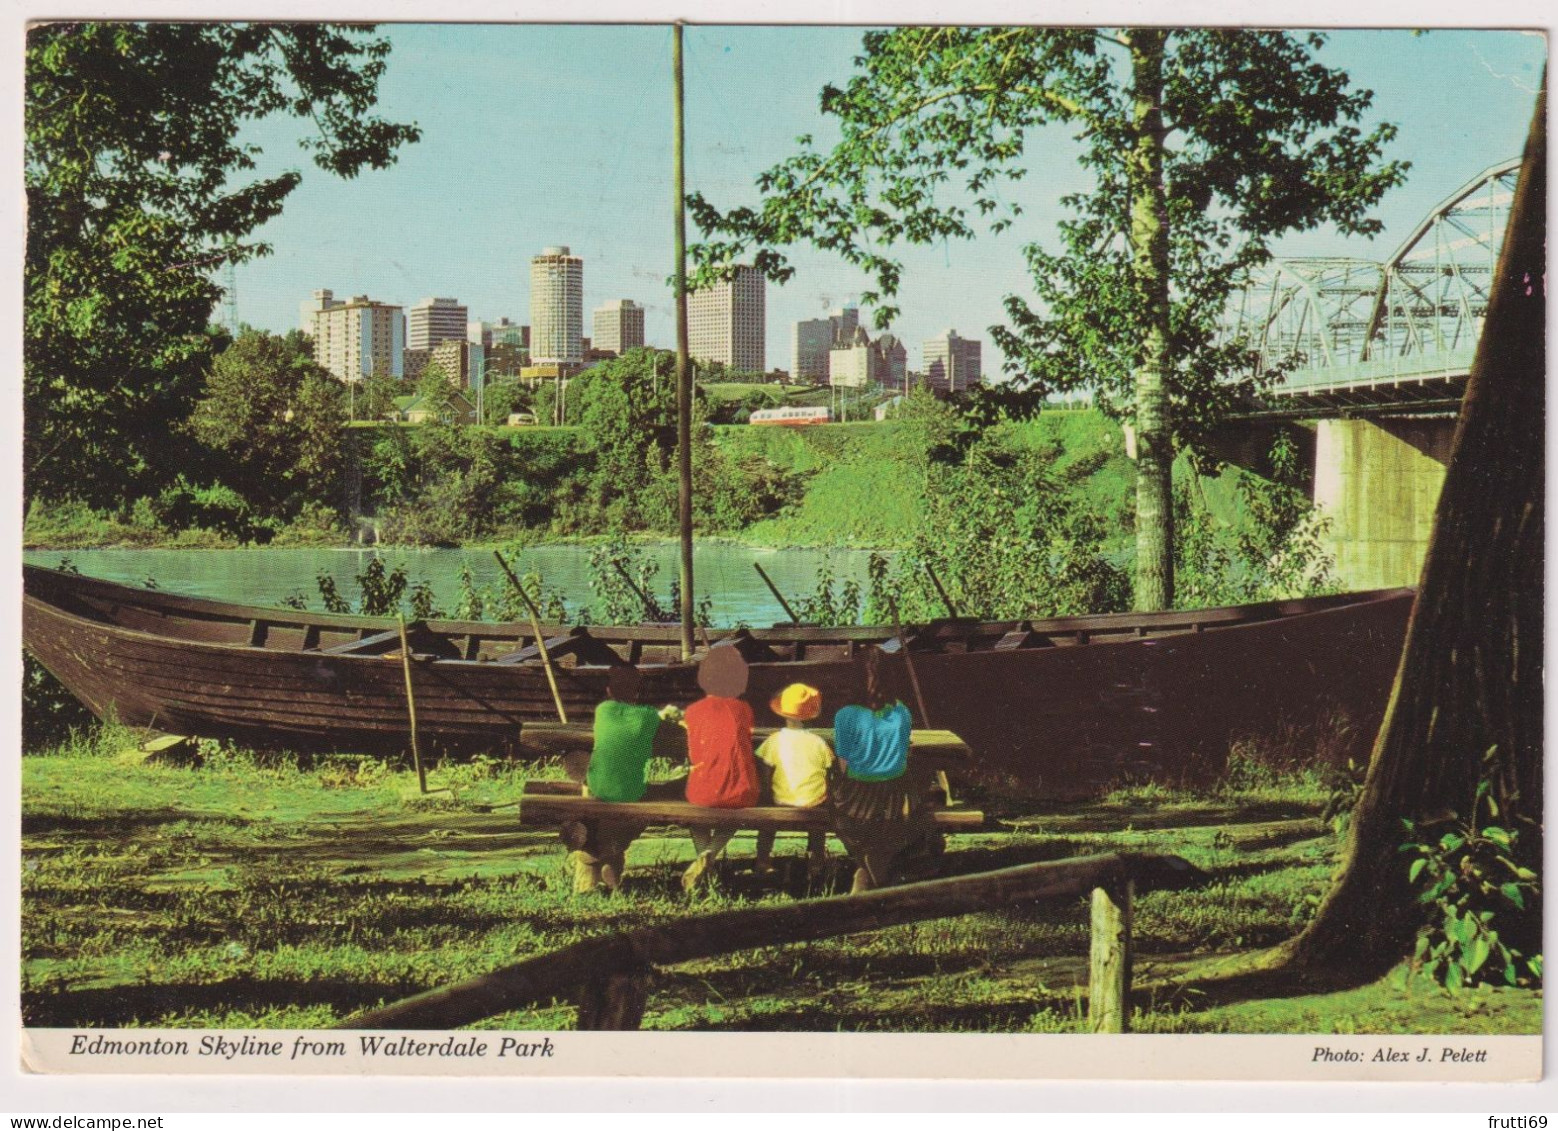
1229,616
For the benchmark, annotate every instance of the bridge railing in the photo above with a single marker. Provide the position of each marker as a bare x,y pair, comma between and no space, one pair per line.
1425,366
608,978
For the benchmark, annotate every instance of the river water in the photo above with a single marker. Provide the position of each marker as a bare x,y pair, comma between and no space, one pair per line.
266,576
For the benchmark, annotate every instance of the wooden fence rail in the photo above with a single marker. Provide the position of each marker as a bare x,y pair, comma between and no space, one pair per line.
608,978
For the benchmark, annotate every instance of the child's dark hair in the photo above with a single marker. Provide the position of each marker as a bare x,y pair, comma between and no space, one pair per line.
624,683
879,679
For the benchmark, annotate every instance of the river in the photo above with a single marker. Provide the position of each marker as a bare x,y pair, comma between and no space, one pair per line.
266,576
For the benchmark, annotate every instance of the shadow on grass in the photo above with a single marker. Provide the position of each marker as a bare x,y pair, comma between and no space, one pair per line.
1096,817
124,826
119,1006
1198,987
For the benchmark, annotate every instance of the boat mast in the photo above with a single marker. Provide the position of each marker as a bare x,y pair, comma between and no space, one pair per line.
683,371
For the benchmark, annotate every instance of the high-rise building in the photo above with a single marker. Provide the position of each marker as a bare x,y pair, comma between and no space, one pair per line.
359,338
727,322
556,308
413,363
322,300
809,345
951,363
618,326
845,321
435,320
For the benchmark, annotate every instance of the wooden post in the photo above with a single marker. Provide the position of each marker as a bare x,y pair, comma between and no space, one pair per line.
535,625
411,703
919,696
1109,971
614,1002
683,369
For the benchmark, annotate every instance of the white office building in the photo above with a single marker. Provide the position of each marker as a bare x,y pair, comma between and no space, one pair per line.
435,320
951,363
617,326
727,322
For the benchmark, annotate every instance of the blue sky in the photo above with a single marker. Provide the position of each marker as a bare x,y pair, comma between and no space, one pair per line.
541,135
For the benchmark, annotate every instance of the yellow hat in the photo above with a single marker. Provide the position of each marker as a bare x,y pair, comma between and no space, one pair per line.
798,701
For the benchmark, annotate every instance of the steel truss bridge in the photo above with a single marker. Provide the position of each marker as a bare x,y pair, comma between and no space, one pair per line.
1359,337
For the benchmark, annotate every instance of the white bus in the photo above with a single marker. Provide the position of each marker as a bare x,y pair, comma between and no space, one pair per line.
792,417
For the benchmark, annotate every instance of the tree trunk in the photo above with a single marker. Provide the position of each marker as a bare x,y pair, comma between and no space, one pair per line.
1470,680
1150,279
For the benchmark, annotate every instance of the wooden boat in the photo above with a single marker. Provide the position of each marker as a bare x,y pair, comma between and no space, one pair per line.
1053,707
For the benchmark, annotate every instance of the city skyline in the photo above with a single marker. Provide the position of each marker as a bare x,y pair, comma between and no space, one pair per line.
609,201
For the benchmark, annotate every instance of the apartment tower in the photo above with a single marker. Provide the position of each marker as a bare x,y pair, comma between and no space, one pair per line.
556,308
358,338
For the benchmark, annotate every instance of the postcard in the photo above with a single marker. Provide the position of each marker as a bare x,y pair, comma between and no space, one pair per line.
579,549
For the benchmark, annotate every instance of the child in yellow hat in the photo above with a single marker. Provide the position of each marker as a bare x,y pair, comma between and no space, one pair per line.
800,762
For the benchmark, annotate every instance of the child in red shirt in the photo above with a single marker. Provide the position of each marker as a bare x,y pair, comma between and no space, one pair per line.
719,745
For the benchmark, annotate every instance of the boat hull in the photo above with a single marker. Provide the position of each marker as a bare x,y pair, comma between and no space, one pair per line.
1053,708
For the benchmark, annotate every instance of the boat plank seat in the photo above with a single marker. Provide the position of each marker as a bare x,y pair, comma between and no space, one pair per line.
576,642
1025,638
558,803
378,642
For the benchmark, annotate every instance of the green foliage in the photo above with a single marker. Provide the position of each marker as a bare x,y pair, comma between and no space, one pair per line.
511,606
500,398
1276,549
622,580
424,606
274,423
1474,882
842,605
1344,788
470,602
139,191
375,398
49,713
1007,540
379,592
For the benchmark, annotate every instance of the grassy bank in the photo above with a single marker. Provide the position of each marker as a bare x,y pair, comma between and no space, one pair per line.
858,485
246,893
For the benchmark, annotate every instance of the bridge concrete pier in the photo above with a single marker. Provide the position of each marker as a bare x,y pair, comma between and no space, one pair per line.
1378,482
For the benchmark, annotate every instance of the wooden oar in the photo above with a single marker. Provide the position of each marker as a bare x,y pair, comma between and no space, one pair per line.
411,702
778,596
919,696
535,624
952,609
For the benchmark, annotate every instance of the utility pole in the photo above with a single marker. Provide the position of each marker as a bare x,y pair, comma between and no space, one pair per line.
683,370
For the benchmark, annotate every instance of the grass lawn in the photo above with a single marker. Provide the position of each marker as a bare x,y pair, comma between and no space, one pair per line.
272,894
